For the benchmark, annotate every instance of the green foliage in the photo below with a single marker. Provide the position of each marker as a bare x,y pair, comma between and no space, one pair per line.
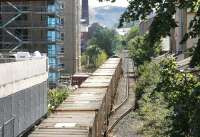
84,59
96,57
104,39
56,97
168,101
102,44
181,91
140,51
153,111
164,21
148,78
196,57
137,50
154,115
132,33
92,52
119,44
102,57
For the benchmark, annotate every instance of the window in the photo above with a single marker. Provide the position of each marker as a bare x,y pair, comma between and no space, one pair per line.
53,77
52,36
62,36
51,8
51,21
52,62
52,51
62,21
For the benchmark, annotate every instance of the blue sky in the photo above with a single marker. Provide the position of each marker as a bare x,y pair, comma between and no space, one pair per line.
96,3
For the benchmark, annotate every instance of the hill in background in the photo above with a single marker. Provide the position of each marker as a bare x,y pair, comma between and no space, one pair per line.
106,15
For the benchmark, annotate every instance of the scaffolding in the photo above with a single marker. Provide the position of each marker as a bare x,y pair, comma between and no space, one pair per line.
34,25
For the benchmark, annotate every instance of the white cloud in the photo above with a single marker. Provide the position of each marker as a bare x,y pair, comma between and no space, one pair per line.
96,3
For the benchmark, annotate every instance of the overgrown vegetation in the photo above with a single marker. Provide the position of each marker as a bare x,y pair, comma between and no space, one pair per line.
140,51
56,97
103,43
182,91
164,20
92,58
196,57
104,39
168,101
152,109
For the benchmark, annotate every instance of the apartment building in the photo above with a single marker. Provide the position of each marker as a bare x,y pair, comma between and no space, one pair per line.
85,11
48,26
183,18
84,24
173,43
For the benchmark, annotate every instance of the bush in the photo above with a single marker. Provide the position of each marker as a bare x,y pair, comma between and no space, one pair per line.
154,114
56,97
196,56
152,109
140,51
168,102
84,59
148,78
181,91
101,58
95,55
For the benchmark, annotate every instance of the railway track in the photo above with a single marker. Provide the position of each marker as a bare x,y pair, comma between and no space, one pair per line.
126,105
125,70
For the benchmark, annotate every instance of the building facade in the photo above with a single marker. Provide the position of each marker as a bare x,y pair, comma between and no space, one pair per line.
85,11
182,18
48,26
84,24
72,51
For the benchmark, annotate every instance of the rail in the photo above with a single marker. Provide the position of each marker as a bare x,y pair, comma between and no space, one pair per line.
127,90
124,101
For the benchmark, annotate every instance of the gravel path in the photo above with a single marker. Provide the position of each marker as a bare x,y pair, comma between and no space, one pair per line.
126,127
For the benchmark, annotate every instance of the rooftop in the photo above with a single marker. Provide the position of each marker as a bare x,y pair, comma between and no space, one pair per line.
20,56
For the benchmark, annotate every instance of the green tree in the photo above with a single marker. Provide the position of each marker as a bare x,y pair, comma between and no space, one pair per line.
119,44
132,33
163,22
181,91
168,100
101,58
92,52
153,111
104,39
140,51
196,57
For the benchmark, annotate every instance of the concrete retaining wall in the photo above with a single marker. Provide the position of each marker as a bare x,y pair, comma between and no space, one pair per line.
23,95
15,71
